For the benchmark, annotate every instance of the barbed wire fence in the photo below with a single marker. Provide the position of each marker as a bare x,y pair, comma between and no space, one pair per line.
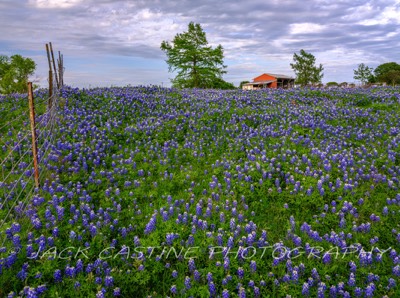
26,138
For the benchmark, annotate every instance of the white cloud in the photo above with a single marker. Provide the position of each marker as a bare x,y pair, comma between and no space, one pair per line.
306,28
143,26
256,36
340,56
392,34
54,3
390,14
360,12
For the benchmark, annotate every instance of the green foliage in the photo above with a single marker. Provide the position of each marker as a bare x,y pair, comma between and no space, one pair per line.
332,84
363,73
14,73
183,140
219,83
386,67
372,79
242,83
305,69
392,77
362,101
388,73
198,64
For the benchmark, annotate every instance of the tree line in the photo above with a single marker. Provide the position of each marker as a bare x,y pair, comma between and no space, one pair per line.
199,65
388,73
14,73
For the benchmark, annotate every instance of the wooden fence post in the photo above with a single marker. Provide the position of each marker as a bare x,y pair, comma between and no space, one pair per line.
33,130
50,72
54,65
48,55
50,102
60,69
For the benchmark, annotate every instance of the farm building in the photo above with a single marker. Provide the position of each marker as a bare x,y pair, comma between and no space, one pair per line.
269,80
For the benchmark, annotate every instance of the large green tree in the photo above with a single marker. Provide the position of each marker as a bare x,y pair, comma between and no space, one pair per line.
363,73
392,77
305,69
198,64
14,73
388,73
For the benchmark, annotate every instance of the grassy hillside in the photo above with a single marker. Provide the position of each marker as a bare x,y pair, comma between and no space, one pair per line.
161,192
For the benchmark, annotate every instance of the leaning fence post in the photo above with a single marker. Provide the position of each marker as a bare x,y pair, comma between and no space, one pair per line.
33,130
54,65
50,103
50,75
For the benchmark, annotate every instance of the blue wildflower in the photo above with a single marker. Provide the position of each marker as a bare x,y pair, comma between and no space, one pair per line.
57,276
188,283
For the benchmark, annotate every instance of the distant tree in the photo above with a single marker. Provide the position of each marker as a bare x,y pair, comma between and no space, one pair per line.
372,79
242,83
198,64
332,84
305,69
343,84
363,73
4,63
392,77
385,67
388,73
14,73
219,83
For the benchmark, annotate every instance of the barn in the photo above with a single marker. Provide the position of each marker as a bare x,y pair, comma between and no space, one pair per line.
269,80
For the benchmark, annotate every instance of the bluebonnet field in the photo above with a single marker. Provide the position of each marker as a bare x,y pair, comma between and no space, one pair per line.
158,192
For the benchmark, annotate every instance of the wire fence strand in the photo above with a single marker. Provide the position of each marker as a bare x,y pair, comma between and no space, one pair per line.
17,185
14,120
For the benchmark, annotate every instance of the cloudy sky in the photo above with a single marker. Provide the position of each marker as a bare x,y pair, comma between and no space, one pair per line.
117,42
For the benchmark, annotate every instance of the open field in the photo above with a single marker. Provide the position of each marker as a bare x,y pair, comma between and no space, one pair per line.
158,192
